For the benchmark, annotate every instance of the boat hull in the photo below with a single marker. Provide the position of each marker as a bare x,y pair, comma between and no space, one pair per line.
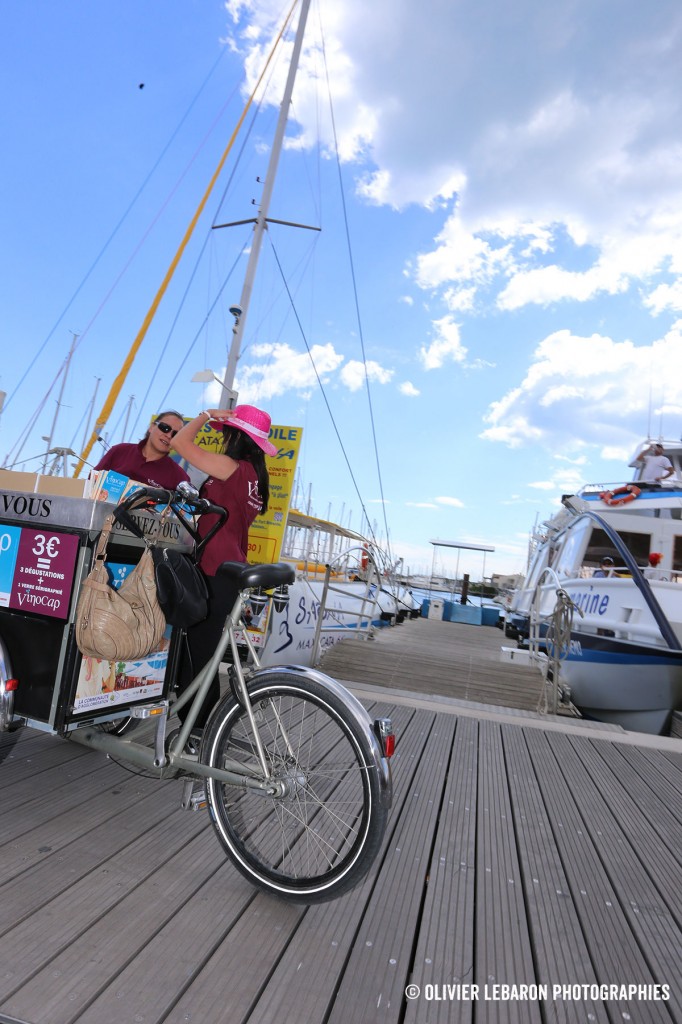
292,627
636,686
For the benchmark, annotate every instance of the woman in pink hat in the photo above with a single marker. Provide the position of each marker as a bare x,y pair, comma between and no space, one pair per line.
238,481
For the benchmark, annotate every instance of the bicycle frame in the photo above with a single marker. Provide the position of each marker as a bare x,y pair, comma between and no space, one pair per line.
176,759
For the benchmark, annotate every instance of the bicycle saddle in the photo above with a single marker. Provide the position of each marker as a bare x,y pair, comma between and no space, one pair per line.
265,575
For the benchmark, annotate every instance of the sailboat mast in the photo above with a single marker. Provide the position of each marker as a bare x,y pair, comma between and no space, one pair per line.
74,339
139,338
228,394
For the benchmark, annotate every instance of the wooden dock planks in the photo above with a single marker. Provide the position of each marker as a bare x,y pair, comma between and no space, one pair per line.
515,855
450,659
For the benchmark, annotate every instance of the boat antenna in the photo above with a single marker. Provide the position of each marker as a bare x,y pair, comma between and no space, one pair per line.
240,311
120,379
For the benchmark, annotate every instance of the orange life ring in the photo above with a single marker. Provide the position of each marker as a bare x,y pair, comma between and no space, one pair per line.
364,559
621,495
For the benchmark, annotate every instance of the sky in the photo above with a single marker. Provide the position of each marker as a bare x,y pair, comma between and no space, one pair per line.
490,315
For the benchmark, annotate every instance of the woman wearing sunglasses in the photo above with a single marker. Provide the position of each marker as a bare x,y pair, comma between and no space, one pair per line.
149,460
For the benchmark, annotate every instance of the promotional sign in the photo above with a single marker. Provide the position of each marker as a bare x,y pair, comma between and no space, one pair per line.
36,570
106,684
267,532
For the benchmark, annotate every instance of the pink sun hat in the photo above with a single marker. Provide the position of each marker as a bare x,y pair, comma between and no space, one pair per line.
254,423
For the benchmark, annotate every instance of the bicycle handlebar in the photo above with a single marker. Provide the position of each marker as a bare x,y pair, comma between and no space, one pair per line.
183,501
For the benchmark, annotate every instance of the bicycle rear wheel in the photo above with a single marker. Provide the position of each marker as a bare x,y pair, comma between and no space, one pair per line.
318,839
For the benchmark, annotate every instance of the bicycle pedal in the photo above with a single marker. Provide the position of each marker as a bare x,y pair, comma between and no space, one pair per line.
193,796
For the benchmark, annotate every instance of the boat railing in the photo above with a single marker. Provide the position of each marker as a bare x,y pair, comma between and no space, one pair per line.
357,565
557,631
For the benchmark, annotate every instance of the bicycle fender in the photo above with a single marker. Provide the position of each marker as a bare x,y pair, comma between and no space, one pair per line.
360,714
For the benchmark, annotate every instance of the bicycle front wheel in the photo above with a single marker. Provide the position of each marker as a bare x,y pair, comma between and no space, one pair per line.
319,837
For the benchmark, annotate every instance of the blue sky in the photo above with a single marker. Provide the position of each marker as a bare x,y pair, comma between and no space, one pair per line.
512,192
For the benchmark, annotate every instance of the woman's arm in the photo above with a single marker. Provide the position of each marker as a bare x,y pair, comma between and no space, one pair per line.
219,466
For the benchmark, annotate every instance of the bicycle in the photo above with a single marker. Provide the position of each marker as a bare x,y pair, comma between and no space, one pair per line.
295,771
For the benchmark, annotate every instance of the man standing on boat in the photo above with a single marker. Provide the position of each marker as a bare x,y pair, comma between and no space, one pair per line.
656,467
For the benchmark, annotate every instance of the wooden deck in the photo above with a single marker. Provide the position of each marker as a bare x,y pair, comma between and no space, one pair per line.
449,659
520,851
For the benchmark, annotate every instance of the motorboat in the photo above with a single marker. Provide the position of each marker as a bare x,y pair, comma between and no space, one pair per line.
621,652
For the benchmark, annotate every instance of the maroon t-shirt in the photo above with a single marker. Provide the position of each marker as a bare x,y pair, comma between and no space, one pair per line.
239,495
129,460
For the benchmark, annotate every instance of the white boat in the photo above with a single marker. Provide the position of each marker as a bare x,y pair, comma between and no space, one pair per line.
343,587
623,660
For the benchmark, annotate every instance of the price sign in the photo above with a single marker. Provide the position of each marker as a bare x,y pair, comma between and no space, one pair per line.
36,570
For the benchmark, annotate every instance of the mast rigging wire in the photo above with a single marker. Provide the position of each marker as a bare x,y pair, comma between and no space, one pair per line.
322,389
357,302
200,255
114,232
200,328
118,383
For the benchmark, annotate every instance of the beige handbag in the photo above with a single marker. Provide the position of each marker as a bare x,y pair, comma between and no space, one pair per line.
124,624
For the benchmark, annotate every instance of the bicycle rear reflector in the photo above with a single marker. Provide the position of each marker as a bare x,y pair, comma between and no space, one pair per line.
383,728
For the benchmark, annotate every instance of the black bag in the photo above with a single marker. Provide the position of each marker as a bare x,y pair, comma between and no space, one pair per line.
181,588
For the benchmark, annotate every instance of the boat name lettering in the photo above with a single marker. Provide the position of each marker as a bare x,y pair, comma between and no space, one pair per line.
305,613
575,649
325,641
310,614
38,508
591,603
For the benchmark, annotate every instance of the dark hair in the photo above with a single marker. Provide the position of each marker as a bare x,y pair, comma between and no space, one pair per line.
241,448
166,412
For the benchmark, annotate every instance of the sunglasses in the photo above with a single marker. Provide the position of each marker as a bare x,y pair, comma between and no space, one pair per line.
166,428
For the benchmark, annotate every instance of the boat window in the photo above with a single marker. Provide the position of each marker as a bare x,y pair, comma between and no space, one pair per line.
677,555
537,566
568,559
600,546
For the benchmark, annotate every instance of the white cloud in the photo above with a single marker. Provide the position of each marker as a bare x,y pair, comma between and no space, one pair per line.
617,388
407,388
451,502
445,347
663,297
543,485
276,368
353,374
582,146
